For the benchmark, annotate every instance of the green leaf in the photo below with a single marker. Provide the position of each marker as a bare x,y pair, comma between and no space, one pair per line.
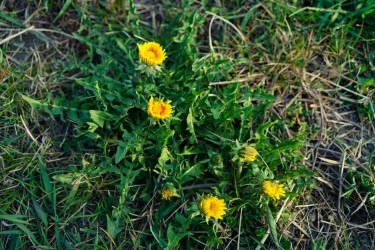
122,149
27,232
174,238
63,9
35,104
72,194
65,178
112,228
319,245
164,156
15,218
99,117
260,133
169,209
287,145
11,232
272,224
39,210
366,81
190,124
155,233
47,183
264,96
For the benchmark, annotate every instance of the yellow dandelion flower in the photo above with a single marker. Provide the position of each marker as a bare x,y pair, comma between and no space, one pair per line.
273,189
159,110
166,194
249,153
151,53
211,206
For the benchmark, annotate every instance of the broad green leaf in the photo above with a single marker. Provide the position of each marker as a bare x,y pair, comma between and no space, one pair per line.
164,156
112,228
99,117
39,210
35,104
122,149
272,224
65,178
174,238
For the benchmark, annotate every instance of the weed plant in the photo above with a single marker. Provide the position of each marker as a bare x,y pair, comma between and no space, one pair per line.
193,153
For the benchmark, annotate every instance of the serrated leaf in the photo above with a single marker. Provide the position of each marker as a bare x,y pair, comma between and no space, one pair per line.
164,156
264,96
35,104
122,149
287,145
65,178
260,133
174,238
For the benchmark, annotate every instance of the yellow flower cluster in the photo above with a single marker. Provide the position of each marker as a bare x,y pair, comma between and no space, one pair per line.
151,53
211,206
273,189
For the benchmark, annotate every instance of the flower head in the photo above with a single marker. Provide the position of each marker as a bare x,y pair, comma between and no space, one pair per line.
249,153
159,110
166,194
273,189
211,206
151,53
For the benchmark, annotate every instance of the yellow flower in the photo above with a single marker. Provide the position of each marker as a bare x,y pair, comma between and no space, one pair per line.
211,206
249,153
159,110
273,189
151,53
166,194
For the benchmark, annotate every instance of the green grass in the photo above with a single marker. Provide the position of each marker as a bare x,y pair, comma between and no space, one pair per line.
83,166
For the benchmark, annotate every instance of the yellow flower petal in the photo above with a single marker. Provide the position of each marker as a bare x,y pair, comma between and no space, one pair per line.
159,110
151,53
211,206
166,194
273,189
249,153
